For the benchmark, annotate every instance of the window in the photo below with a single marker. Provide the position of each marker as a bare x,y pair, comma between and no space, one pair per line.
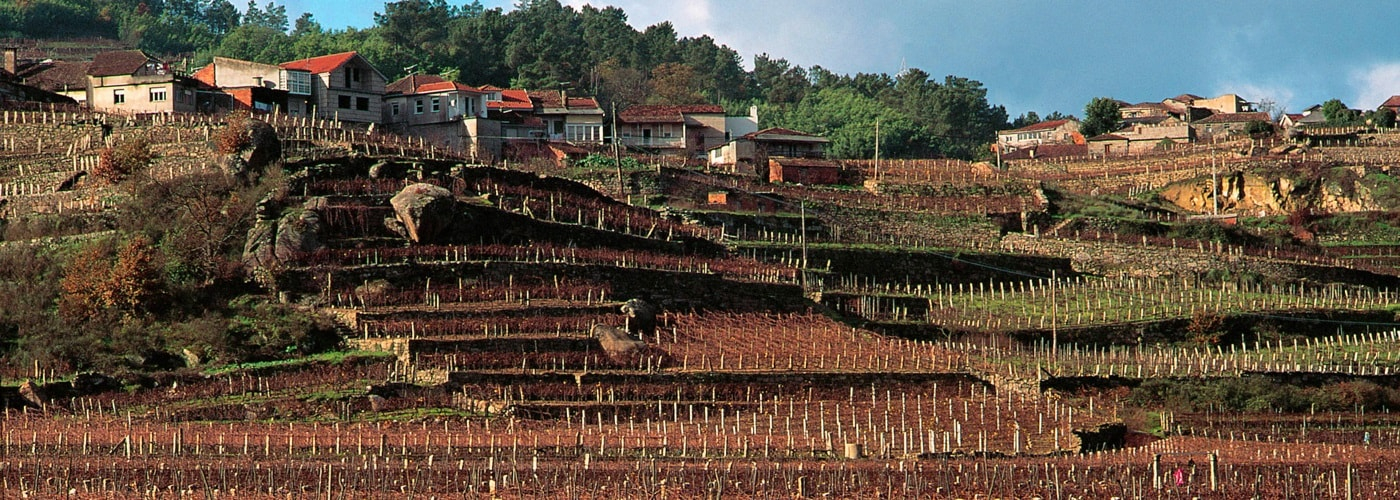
158,95
118,96
395,108
418,107
437,104
344,102
298,82
362,103
352,76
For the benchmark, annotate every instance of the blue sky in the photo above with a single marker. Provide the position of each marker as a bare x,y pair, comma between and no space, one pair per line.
1042,55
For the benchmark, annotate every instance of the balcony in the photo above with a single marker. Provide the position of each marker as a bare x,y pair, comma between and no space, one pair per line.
654,142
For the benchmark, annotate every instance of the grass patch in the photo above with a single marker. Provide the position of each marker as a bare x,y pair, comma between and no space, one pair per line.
333,358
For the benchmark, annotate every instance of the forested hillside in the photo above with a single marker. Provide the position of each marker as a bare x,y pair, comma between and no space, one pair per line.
542,44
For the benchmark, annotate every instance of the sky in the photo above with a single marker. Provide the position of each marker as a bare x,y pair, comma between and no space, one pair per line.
1045,55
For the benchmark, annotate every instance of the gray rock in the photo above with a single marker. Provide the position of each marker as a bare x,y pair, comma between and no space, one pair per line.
292,236
428,213
298,234
641,317
265,148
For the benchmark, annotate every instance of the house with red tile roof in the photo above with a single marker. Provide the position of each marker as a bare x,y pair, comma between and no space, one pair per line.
515,111
1226,124
750,152
676,129
257,87
131,82
64,78
341,87
1393,104
449,114
1064,131
577,120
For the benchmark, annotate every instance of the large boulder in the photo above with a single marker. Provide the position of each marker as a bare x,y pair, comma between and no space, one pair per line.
294,235
616,342
260,147
641,317
298,235
424,213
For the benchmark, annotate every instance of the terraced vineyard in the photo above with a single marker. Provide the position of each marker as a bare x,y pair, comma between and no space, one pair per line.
946,329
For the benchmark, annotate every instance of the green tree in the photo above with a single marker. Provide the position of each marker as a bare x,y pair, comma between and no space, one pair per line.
717,66
675,83
480,36
1101,116
848,119
1026,119
272,16
621,85
777,81
1336,113
608,36
221,17
656,45
1384,118
546,46
257,43
305,25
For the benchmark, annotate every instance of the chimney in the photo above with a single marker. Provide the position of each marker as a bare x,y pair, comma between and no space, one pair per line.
11,59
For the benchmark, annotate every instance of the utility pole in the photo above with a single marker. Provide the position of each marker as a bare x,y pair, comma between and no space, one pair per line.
1054,317
617,157
1214,188
877,149
802,206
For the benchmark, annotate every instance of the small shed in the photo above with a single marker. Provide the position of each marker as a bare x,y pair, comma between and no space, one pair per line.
803,170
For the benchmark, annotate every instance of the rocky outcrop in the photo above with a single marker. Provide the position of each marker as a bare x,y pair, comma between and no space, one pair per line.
260,147
1255,195
616,342
425,214
641,317
292,236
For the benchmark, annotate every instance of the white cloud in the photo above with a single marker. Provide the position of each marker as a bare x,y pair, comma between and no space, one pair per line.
1373,85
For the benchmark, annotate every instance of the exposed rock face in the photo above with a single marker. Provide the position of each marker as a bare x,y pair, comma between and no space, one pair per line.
30,391
641,317
264,148
1250,194
616,342
291,237
424,213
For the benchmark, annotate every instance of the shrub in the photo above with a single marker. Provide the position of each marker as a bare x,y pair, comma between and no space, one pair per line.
117,163
235,136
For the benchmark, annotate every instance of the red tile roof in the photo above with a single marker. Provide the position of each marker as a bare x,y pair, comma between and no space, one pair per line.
320,64
1393,102
775,131
407,84
119,62
1187,98
1107,137
205,75
446,86
1040,126
664,113
1235,117
511,100
57,76
583,103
